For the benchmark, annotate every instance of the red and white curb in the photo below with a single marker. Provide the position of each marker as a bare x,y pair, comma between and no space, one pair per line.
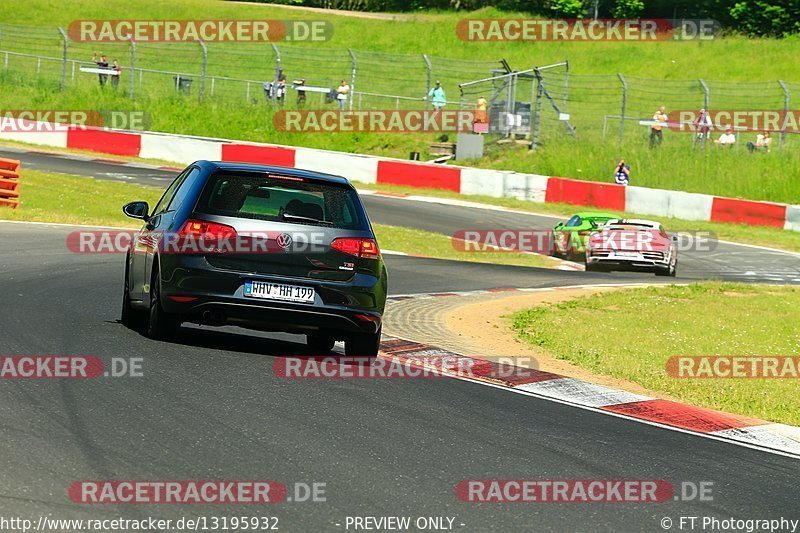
740,430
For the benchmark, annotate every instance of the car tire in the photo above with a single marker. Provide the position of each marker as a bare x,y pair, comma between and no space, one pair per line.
363,345
320,342
669,271
130,317
160,324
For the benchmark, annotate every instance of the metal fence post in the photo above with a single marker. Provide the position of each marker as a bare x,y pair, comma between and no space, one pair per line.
624,104
63,60
278,68
352,77
428,69
133,69
205,63
566,85
785,110
706,91
536,116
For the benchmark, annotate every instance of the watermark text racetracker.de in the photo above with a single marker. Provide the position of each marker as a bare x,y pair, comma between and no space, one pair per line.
421,365
734,367
376,121
193,241
542,241
68,367
586,30
205,30
741,120
582,491
61,120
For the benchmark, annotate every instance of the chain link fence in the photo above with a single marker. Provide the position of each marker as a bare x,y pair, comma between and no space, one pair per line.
608,107
547,104
234,72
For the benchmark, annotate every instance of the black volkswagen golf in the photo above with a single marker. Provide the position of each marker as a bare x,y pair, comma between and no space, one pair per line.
261,247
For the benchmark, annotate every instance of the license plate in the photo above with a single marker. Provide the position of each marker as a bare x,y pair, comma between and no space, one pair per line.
627,254
278,291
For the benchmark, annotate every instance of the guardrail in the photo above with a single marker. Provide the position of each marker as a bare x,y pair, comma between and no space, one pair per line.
9,183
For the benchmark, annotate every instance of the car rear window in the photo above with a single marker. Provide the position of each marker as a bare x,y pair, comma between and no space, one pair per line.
282,199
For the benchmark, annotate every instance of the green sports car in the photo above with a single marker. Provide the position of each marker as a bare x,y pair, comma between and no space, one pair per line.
570,237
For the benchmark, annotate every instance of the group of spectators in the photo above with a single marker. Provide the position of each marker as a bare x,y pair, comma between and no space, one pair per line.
702,126
114,70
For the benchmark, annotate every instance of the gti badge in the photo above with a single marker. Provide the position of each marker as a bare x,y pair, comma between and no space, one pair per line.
347,266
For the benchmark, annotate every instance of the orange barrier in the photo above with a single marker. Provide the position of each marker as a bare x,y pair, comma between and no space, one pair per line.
9,183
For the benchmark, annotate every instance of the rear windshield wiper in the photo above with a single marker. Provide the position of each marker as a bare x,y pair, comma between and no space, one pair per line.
311,220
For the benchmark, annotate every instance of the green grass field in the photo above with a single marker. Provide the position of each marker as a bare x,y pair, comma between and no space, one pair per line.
631,334
48,197
756,63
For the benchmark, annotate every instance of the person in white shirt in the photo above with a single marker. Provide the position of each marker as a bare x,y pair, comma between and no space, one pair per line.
341,95
727,138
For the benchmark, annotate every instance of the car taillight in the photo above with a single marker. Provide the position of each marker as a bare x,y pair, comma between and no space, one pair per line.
364,248
203,229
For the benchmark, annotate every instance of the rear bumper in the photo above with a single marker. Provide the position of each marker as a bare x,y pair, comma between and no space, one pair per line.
200,293
632,264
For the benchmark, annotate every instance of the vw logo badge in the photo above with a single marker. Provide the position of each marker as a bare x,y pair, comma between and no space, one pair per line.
284,240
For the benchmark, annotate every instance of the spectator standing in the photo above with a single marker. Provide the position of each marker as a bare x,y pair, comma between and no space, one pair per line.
438,96
660,119
341,95
480,115
301,93
727,138
115,78
623,173
101,63
280,87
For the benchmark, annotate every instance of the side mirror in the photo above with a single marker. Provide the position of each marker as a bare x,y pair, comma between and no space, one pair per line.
559,225
673,238
138,210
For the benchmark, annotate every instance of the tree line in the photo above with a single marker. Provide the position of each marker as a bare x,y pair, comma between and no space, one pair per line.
757,18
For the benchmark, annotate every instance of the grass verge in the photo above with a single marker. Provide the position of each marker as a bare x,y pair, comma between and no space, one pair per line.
49,197
630,334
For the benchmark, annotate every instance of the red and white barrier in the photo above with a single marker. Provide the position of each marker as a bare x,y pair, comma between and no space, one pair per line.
475,181
28,131
183,150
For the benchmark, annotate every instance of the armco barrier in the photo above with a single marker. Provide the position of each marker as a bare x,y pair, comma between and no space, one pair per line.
28,131
255,153
792,218
677,204
110,142
748,212
578,192
182,150
9,183
356,167
419,175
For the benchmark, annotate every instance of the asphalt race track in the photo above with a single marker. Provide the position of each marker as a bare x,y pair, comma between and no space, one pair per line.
726,261
210,407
